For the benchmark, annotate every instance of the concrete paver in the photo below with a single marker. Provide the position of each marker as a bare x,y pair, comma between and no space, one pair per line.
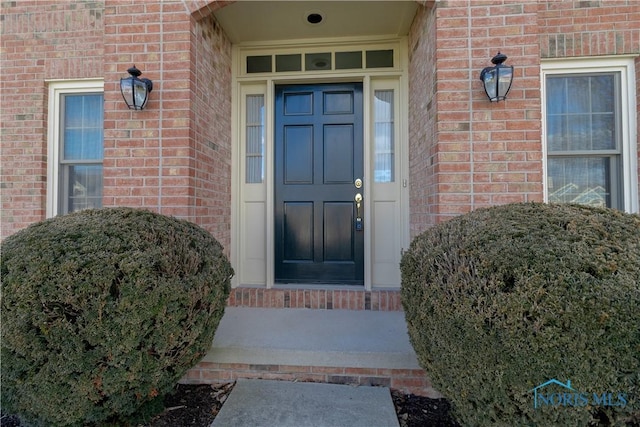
268,403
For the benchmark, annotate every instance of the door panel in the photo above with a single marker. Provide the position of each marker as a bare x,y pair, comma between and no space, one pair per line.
318,156
298,231
338,154
298,155
338,231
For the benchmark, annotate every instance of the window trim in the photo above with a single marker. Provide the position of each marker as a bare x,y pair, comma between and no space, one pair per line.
56,89
628,115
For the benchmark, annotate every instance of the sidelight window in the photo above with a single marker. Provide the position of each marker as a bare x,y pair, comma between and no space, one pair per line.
384,147
255,139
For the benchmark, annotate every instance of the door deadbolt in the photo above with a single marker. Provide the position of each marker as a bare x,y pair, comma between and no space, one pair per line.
358,183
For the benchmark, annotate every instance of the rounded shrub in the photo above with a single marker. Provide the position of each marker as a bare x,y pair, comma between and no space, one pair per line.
502,301
103,311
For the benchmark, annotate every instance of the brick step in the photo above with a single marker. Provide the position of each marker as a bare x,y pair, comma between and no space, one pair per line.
316,297
332,346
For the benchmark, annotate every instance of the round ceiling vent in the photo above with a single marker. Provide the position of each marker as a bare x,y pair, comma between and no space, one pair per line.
314,17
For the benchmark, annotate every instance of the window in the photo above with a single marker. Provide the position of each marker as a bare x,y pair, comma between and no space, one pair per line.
254,139
314,61
589,131
383,168
76,136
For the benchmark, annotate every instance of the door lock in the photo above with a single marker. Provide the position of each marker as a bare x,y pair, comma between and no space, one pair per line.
358,183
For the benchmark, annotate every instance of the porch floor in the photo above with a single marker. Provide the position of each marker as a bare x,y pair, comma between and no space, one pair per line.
357,347
363,339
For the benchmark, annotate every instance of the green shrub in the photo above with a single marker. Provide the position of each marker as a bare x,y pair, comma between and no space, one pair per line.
103,310
501,300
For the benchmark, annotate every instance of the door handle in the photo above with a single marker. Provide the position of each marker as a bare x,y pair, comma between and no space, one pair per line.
358,200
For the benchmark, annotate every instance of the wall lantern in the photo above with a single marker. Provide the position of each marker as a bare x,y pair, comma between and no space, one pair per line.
135,91
497,80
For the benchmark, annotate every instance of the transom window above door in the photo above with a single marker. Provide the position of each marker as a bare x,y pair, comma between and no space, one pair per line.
316,61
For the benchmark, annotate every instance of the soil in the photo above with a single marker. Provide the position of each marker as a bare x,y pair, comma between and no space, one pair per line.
198,405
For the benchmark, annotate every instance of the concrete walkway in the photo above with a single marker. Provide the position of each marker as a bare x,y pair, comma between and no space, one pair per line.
268,403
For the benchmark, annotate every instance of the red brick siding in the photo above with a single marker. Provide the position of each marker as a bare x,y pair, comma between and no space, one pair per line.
174,157
504,137
40,41
146,150
481,153
211,110
589,28
423,113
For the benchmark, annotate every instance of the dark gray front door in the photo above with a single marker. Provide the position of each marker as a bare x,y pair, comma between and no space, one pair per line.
318,157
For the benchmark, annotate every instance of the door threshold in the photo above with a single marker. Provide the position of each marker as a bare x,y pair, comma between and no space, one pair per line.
316,286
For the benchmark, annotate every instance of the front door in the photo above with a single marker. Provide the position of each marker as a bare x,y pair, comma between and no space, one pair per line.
318,159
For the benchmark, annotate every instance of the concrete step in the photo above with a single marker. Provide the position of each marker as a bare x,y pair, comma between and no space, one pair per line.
355,347
360,339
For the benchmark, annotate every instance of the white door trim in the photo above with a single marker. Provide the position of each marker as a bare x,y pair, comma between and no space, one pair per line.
252,223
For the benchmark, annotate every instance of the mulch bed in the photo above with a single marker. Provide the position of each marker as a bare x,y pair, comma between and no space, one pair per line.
415,411
198,405
192,405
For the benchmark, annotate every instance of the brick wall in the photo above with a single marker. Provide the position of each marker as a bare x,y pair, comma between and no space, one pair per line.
589,28
133,140
482,153
504,137
211,111
44,40
173,157
423,113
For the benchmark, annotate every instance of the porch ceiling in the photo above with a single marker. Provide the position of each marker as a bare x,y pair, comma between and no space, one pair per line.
255,21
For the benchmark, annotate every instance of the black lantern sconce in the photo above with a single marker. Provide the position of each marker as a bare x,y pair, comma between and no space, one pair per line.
497,80
135,91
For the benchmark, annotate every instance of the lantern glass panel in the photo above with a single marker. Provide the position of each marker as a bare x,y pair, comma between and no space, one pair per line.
127,92
490,82
504,81
140,91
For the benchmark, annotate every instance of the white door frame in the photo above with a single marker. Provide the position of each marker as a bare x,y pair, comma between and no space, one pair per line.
252,220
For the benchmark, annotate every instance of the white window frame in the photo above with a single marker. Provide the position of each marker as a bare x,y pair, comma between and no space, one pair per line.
56,90
629,150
